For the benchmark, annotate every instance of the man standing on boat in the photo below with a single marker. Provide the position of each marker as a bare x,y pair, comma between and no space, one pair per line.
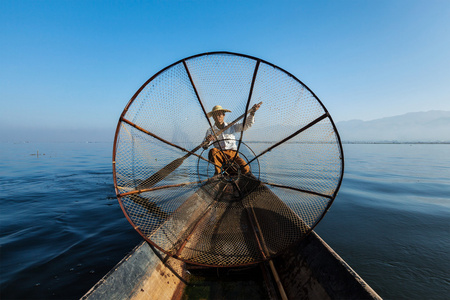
225,147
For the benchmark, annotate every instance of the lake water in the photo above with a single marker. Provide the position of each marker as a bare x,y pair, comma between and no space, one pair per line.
61,227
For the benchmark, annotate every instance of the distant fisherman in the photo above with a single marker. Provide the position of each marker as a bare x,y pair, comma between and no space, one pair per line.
225,148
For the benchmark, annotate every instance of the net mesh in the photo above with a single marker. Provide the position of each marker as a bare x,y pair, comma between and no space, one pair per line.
169,188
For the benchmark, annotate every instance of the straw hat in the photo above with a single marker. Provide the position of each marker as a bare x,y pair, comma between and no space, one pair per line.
217,108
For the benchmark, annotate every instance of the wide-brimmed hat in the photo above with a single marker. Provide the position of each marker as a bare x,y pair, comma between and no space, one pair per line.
217,108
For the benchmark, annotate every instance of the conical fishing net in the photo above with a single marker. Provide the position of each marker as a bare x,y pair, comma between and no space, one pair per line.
204,202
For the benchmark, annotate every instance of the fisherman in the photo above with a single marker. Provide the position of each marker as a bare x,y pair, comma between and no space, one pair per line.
224,149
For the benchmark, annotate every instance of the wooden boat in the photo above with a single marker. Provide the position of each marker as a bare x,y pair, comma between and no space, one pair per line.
228,235
309,269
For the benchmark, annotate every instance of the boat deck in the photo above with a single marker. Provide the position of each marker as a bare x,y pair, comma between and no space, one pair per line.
311,270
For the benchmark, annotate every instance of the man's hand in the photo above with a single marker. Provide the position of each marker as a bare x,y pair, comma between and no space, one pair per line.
255,108
210,138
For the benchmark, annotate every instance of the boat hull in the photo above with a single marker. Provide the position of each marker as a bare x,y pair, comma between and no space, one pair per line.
308,270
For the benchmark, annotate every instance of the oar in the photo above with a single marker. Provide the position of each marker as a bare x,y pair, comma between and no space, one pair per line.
165,171
151,206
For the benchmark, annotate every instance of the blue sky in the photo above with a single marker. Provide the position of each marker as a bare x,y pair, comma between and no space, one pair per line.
73,65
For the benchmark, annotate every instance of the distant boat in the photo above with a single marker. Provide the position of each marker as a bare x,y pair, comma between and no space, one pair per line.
307,270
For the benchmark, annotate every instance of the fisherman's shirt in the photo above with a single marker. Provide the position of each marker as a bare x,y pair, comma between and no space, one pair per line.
227,140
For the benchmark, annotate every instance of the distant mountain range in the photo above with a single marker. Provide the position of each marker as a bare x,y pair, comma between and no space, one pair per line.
430,126
417,127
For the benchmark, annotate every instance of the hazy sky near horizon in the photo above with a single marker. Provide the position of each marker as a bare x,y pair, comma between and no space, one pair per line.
75,64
